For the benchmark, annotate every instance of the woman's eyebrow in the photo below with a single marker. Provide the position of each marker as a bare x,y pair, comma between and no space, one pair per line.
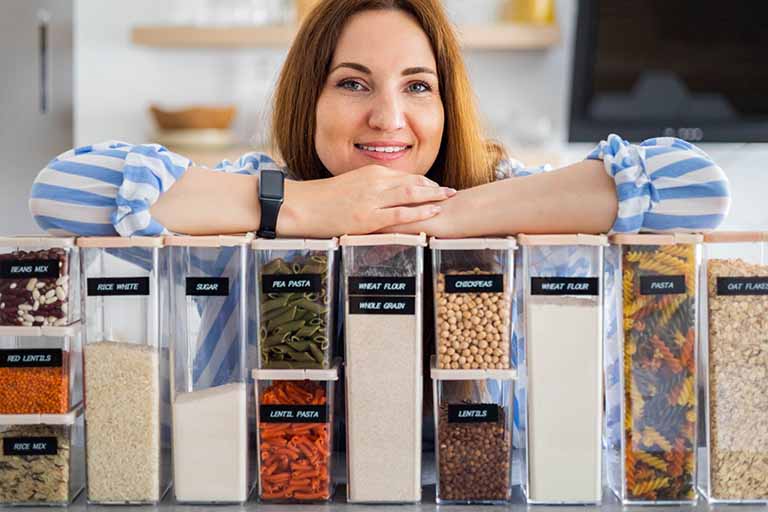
367,71
417,70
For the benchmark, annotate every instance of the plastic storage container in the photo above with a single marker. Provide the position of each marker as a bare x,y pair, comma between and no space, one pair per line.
734,366
41,458
560,360
126,369
296,314
473,283
211,400
384,387
473,445
650,357
39,281
41,369
295,434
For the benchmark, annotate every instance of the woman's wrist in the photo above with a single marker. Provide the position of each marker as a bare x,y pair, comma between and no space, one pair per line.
290,220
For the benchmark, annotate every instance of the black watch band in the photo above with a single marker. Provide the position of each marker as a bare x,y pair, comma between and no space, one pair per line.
271,195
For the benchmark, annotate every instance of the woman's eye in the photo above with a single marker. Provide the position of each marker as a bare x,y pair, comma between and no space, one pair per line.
418,87
351,85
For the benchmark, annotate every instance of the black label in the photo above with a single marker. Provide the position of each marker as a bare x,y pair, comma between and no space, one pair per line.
118,286
565,286
291,283
29,268
491,283
30,446
742,285
473,413
207,286
373,305
382,286
293,413
30,358
662,285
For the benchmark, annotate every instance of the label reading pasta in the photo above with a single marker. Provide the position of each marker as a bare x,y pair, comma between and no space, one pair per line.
31,358
293,414
293,283
662,285
118,286
374,305
473,413
742,285
30,446
565,286
29,268
208,286
487,283
382,286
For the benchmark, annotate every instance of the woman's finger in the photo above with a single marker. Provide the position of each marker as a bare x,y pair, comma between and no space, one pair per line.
406,214
413,194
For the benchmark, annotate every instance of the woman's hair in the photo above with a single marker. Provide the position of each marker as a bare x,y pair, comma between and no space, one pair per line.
465,158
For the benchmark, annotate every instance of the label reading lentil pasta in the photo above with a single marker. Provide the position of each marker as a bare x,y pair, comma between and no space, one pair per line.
293,414
382,305
371,285
118,286
742,285
565,286
31,358
30,446
29,268
302,283
486,283
473,413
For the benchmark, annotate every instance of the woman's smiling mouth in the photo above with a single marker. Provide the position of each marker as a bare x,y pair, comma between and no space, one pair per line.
385,151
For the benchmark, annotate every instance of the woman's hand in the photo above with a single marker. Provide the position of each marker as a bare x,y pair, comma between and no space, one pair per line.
366,200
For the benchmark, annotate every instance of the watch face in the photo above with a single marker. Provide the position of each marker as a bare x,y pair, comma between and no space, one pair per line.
271,184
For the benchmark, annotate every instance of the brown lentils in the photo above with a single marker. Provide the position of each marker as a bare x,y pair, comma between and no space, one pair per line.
472,328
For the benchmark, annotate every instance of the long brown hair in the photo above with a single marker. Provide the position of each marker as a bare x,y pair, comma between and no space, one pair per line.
465,158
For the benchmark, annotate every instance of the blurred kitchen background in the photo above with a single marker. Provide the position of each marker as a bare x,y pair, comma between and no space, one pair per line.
552,77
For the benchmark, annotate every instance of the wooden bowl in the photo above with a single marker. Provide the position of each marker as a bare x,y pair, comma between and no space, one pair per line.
194,118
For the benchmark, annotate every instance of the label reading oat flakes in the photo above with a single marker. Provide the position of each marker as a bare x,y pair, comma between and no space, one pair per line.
662,285
473,413
208,286
30,446
756,285
565,286
381,286
489,283
293,283
20,269
31,358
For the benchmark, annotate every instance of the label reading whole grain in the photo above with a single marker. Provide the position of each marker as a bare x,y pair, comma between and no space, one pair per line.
293,414
377,305
488,283
208,286
11,269
293,283
662,285
565,286
756,285
30,446
473,413
31,358
381,286
118,286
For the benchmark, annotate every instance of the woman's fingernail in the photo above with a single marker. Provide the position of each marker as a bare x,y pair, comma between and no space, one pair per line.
436,209
449,191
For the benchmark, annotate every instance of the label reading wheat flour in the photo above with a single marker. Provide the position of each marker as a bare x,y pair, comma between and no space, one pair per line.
208,286
107,286
756,285
18,269
293,414
662,285
565,286
381,286
31,358
30,446
293,283
376,305
473,413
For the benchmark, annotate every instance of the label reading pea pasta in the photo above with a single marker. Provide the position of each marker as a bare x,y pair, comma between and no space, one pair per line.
293,414
208,286
294,283
382,286
118,286
756,285
486,283
31,358
662,285
565,286
473,413
30,446
375,305
29,268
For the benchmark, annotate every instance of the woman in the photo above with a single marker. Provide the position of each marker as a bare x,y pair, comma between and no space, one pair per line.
375,122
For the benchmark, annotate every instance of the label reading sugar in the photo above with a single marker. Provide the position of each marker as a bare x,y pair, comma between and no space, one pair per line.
565,286
293,413
118,286
662,285
291,283
31,358
30,446
377,305
208,286
490,283
382,286
29,268
756,285
473,413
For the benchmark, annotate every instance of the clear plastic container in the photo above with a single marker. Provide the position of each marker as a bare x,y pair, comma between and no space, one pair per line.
560,362
473,283
126,369
651,367
295,434
384,376
41,458
296,314
212,395
39,281
734,308
473,442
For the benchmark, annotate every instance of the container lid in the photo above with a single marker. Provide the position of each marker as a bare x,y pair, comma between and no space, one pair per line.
37,241
450,374
208,241
49,331
329,374
120,241
596,240
42,419
292,244
419,240
472,243
657,239
725,237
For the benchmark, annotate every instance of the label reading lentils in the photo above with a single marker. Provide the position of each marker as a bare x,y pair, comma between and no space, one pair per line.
376,305
118,286
473,413
488,283
29,268
293,414
381,286
208,286
565,286
30,446
293,283
662,285
31,358
742,285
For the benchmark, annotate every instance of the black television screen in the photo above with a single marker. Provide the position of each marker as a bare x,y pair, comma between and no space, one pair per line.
694,69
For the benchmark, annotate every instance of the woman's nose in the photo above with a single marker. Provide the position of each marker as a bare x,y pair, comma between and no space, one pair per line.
387,113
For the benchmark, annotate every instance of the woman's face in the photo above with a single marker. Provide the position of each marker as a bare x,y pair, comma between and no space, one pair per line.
380,103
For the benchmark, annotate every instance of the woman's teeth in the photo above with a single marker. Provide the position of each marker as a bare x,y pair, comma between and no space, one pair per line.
382,149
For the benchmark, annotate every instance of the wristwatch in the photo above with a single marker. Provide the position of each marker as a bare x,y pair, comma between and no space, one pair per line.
271,195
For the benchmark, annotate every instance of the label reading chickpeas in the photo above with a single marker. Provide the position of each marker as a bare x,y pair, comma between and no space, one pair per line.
375,305
30,446
382,286
29,268
662,285
208,286
293,283
485,283
742,285
473,413
30,358
565,286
